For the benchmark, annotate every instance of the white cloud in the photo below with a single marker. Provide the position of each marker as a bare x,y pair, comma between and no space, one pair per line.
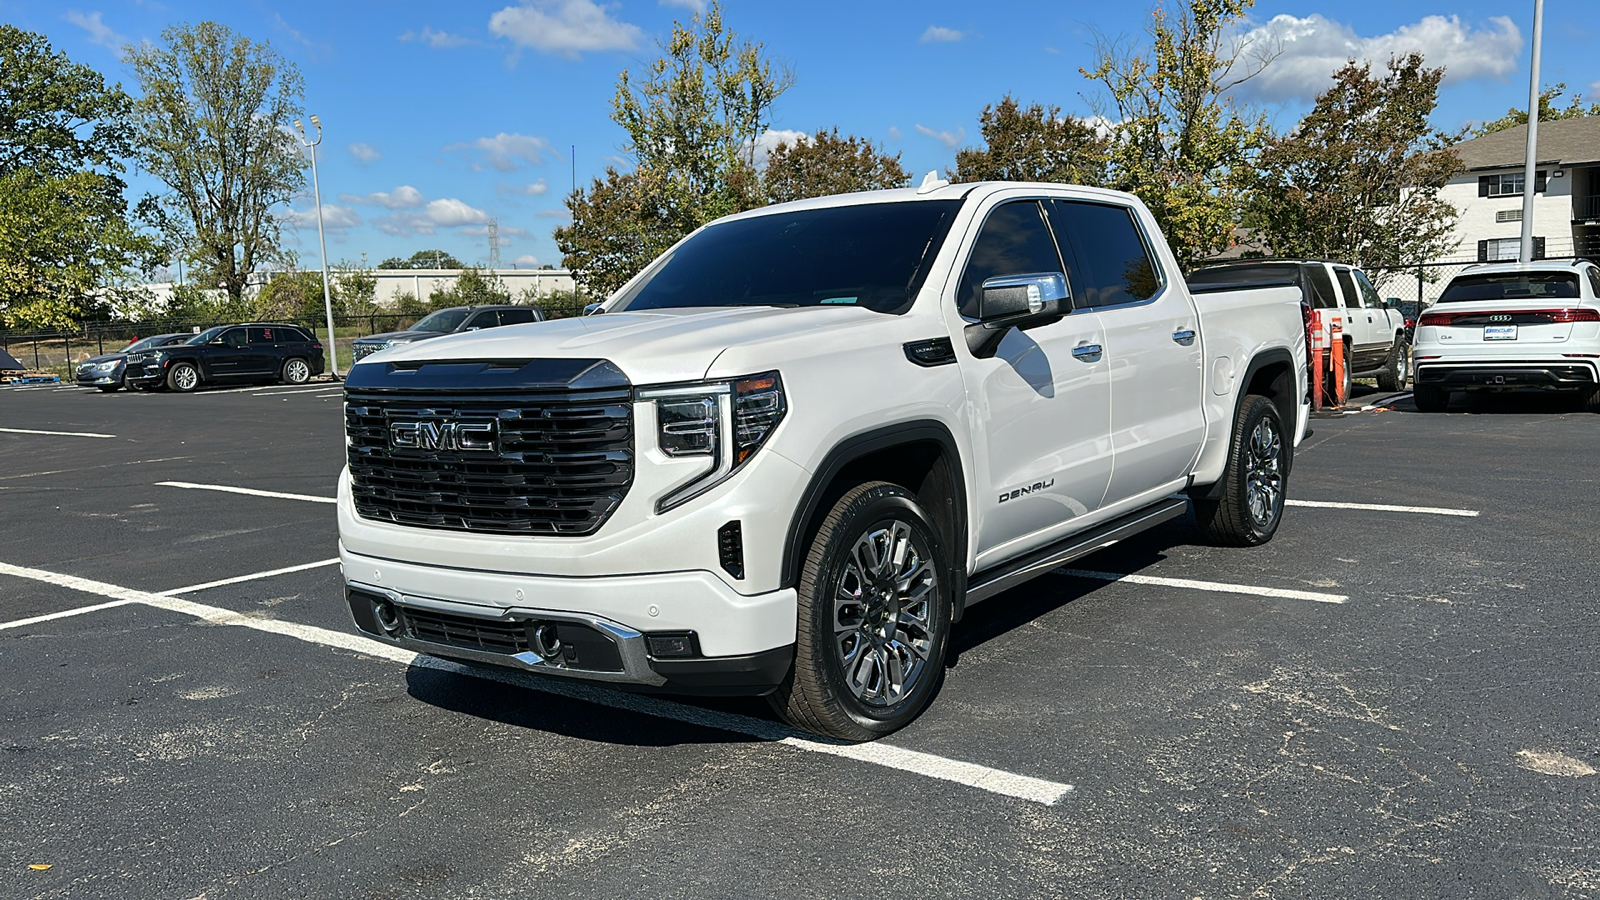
365,153
438,40
507,152
694,6
532,189
895,133
403,197
771,138
527,259
948,138
938,35
1314,47
436,214
1594,90
295,35
99,32
335,218
564,27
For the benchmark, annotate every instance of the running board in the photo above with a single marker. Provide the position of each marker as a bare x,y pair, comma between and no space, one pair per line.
1007,575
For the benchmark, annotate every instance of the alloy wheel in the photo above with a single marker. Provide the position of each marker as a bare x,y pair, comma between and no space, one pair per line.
883,614
1264,473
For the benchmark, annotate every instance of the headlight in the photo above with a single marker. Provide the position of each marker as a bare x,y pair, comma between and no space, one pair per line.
105,366
726,421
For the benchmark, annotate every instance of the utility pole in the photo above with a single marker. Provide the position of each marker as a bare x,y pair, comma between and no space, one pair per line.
316,190
1530,164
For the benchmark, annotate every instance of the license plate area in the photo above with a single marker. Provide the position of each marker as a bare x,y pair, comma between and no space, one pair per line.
1499,332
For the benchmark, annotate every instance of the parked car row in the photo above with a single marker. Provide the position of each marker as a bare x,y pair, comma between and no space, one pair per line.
264,351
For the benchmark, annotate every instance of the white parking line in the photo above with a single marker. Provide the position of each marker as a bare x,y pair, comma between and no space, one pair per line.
67,614
1215,586
994,781
87,434
297,389
1384,507
243,578
228,489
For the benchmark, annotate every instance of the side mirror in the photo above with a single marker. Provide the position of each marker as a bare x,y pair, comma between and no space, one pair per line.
1391,303
593,309
471,328
1016,301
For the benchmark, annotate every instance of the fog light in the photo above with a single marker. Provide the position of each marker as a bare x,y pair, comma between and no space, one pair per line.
672,645
388,617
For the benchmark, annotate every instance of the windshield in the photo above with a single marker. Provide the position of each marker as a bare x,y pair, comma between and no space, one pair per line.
147,343
871,255
445,320
207,335
1512,286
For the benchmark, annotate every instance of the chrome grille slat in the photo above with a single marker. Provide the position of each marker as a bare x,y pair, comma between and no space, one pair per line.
565,462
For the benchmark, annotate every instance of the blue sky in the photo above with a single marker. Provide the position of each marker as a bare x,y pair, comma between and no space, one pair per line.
441,117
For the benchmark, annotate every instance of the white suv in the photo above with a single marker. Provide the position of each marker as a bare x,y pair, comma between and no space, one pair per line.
1512,326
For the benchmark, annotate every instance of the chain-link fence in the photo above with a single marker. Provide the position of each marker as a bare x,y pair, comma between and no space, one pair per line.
1423,282
47,350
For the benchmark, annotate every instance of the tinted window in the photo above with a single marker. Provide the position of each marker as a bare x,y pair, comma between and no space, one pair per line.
1110,263
266,337
234,337
871,255
1321,286
515,316
1594,281
1249,273
1369,294
1512,286
489,318
445,320
1347,286
1014,241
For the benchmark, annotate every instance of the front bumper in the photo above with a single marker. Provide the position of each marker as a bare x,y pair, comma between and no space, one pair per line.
91,378
741,644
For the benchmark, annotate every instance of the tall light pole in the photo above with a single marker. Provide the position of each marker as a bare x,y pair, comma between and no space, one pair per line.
316,190
1531,162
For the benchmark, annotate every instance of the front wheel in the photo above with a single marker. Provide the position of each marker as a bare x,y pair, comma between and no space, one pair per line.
1253,483
183,378
108,388
295,371
1397,368
875,611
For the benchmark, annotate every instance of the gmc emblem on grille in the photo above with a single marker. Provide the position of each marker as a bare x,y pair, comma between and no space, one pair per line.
461,435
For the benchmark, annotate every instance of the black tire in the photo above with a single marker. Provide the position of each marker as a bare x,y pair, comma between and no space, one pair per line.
1430,398
295,371
183,377
1255,481
1397,368
108,388
1591,401
831,690
1349,372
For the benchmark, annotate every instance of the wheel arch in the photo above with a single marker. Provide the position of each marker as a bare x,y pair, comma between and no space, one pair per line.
922,456
1270,374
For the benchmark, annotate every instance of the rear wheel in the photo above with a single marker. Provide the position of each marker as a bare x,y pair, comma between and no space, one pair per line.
1253,483
874,618
183,377
295,371
1591,401
1397,368
1430,398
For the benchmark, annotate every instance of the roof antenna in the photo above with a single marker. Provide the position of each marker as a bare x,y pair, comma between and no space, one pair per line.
931,182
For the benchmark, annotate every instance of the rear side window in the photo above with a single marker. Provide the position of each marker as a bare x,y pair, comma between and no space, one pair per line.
1347,286
265,337
1512,286
1594,281
515,316
1110,263
1014,241
1321,287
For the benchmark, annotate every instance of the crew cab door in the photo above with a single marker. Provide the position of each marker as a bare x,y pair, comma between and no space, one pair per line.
1152,344
1041,405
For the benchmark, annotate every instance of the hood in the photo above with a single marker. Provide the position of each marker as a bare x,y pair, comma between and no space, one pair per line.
651,347
393,335
104,358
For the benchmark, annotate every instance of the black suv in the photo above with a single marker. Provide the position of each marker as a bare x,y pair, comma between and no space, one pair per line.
229,354
452,320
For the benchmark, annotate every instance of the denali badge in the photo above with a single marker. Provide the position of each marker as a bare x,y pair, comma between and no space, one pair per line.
1036,486
480,436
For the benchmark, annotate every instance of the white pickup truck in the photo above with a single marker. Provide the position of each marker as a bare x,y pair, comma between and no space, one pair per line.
787,456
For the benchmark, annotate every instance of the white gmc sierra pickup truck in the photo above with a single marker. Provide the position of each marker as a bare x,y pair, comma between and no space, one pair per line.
788,455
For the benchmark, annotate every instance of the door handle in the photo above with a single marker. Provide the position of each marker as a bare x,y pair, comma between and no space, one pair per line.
1086,352
1184,336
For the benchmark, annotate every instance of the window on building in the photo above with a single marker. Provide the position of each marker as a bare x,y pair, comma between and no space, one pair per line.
1507,249
1508,184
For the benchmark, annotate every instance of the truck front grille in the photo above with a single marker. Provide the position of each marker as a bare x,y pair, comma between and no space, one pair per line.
541,463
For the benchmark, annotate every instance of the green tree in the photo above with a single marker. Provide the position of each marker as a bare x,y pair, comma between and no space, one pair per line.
826,164
473,287
423,259
1180,142
214,125
293,295
1359,179
66,228
1547,111
356,289
406,304
692,120
1034,143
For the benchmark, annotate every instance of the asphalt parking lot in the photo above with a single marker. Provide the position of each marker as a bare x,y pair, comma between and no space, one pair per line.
1383,702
